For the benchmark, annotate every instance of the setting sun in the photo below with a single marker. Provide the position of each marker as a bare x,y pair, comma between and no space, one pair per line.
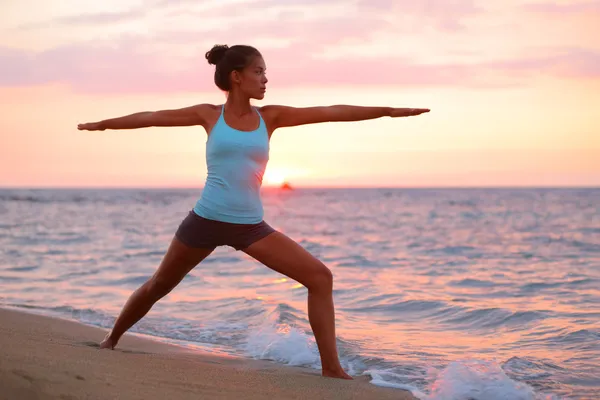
274,178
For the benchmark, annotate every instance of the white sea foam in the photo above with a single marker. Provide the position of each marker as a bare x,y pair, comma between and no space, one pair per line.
282,343
464,380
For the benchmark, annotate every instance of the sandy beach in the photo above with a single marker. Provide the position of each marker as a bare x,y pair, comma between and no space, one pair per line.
49,358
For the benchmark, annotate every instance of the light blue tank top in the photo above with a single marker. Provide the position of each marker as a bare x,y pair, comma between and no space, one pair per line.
236,161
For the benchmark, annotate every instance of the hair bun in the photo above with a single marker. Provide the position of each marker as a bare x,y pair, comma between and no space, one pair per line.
216,54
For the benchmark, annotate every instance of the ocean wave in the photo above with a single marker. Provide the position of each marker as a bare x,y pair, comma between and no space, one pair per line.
579,337
405,306
283,343
535,286
494,318
473,283
81,196
478,380
27,268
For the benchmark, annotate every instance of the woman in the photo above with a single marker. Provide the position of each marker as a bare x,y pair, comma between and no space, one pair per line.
230,211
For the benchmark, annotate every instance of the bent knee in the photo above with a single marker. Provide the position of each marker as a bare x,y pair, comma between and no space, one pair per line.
321,281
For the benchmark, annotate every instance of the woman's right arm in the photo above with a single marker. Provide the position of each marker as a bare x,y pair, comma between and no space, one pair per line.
188,116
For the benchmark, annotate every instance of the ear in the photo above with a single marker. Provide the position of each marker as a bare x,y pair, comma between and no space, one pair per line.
235,77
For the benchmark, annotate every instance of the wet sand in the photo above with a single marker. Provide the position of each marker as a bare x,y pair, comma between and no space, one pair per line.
50,358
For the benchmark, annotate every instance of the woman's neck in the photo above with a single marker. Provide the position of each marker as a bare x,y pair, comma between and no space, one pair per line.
238,105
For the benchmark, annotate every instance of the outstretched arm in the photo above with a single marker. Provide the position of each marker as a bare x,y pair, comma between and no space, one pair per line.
282,116
194,115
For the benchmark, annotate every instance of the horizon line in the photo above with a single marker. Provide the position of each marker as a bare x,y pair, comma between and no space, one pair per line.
307,187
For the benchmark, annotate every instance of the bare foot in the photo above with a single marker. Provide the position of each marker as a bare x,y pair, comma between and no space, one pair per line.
340,374
108,343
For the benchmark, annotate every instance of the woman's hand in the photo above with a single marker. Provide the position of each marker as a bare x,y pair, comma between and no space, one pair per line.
90,126
407,112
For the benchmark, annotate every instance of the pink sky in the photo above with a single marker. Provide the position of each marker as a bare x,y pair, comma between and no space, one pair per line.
514,88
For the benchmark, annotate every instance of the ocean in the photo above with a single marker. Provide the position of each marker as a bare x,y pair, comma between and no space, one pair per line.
453,294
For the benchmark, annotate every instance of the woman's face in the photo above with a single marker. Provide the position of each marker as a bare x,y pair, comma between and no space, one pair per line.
252,80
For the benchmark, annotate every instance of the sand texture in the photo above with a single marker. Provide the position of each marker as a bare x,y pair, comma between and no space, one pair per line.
49,358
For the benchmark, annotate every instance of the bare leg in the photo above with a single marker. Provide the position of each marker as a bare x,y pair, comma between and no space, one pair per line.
177,262
287,257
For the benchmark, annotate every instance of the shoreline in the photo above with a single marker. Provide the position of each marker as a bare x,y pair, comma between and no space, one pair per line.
46,357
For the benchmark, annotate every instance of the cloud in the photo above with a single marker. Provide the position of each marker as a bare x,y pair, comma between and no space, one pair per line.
561,9
574,63
126,69
101,18
234,6
299,43
93,69
445,15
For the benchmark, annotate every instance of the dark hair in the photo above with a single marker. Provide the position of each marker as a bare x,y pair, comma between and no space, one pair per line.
227,59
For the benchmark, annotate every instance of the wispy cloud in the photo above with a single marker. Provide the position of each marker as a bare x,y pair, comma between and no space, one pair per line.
573,63
103,18
446,15
100,18
299,39
110,69
554,8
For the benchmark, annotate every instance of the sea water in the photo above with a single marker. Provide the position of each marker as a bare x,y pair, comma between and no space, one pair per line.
450,293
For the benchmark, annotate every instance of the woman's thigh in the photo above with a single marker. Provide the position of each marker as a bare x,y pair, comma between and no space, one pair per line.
284,255
178,261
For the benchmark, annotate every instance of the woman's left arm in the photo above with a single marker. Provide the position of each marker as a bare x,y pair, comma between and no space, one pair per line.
283,116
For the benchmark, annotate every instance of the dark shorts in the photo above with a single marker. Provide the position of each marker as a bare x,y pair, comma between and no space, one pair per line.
198,232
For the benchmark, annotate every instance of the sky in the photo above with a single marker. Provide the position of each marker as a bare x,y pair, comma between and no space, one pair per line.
513,87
